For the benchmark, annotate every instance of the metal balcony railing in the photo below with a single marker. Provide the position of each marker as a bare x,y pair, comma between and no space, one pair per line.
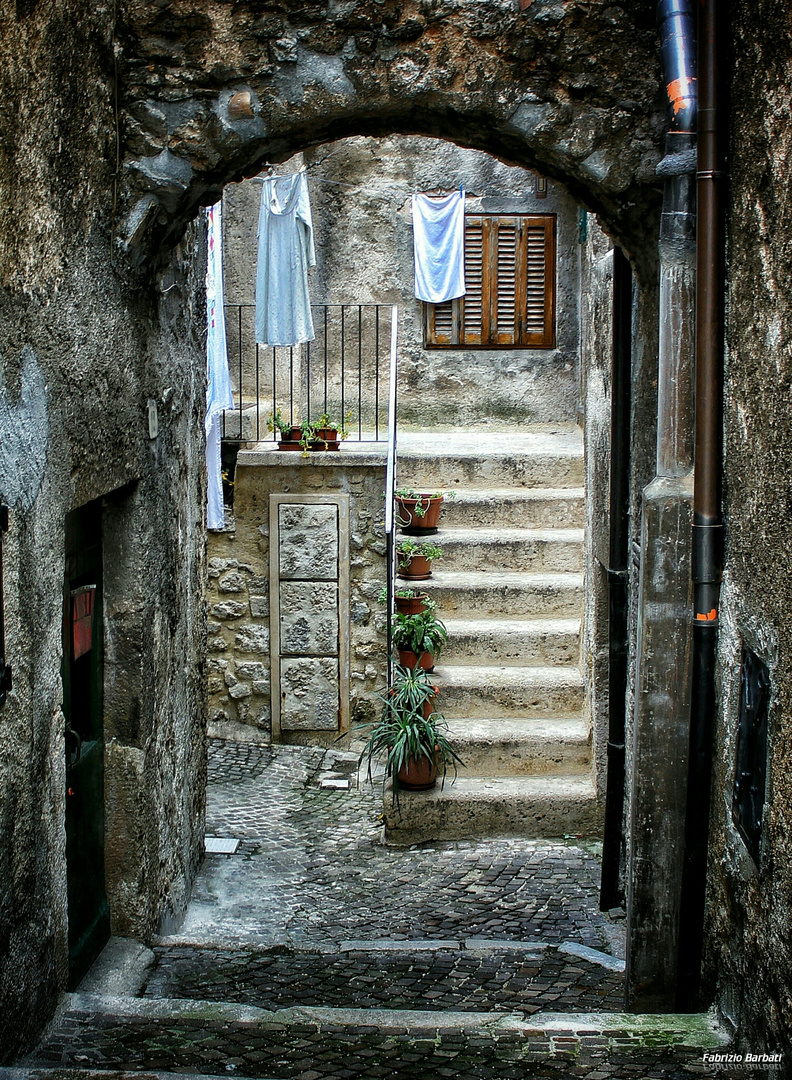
344,373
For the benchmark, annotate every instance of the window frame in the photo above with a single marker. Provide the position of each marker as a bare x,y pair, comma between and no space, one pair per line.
523,337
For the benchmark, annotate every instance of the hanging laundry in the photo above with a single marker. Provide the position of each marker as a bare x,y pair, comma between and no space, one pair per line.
285,251
439,243
218,390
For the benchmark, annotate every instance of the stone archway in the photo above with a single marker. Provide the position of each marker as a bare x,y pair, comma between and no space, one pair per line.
209,90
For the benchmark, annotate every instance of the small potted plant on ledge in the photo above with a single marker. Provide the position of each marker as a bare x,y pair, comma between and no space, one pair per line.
324,433
418,512
415,560
411,733
290,434
419,638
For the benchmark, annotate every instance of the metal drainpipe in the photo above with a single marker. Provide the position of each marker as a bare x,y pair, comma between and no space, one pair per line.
618,556
707,520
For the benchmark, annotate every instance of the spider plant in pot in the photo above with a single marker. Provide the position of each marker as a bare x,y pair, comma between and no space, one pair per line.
411,733
418,512
415,560
419,638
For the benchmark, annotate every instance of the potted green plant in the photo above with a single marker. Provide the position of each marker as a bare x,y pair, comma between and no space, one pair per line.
407,601
290,434
419,638
415,560
418,512
411,733
324,433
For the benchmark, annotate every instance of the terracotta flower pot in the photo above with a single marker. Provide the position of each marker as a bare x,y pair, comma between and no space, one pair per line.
411,605
290,441
418,774
411,522
413,567
409,659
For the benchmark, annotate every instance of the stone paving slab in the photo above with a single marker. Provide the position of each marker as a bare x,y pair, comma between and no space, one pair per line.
324,1043
396,978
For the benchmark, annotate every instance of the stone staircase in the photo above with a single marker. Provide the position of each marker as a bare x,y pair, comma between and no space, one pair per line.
510,589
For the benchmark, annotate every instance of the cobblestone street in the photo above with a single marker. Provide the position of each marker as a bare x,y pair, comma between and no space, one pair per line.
312,951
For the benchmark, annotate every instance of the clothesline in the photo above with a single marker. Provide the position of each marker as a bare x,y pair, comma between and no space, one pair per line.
395,191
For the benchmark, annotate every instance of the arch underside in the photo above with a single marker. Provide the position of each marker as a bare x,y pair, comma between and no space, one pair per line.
209,92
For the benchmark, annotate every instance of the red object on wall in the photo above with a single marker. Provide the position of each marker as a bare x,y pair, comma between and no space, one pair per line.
82,619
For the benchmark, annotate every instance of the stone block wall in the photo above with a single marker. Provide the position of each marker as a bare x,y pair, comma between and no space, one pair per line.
326,576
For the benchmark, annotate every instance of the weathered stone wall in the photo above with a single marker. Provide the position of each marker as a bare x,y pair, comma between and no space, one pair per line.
83,348
750,908
210,90
239,628
360,194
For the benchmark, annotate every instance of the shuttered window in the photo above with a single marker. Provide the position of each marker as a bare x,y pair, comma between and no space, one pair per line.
510,282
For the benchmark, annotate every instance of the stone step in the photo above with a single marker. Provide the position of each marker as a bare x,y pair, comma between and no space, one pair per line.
471,807
551,551
95,1038
522,747
523,595
495,691
531,642
468,459
514,507
427,471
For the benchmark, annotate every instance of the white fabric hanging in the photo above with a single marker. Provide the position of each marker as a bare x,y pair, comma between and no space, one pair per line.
285,251
439,244
218,390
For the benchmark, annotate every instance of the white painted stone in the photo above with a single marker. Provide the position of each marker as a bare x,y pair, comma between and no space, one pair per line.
229,609
309,694
308,618
308,541
252,638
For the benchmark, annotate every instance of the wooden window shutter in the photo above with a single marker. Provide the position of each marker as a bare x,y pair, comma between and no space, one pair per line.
510,282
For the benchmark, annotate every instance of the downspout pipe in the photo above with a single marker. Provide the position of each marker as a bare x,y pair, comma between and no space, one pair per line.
618,587
707,517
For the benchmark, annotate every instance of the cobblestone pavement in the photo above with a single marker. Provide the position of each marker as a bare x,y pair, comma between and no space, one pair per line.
311,868
315,953
315,1050
358,978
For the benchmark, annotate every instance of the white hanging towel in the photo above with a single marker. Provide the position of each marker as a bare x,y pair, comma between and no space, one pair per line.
439,242
218,388
285,251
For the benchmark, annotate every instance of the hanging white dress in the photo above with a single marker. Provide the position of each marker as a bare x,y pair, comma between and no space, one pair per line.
218,389
285,251
439,247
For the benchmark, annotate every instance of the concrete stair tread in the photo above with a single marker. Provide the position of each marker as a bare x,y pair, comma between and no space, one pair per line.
577,786
517,627
514,729
477,443
474,495
492,535
515,579
469,675
524,805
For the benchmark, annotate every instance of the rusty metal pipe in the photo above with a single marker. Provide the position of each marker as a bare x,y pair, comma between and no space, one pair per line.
707,520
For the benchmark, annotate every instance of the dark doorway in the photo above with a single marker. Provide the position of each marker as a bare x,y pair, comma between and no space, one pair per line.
89,913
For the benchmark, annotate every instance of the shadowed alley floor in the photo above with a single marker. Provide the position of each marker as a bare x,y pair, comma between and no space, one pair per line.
312,952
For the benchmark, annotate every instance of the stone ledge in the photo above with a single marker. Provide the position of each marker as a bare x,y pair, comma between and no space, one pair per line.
348,456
